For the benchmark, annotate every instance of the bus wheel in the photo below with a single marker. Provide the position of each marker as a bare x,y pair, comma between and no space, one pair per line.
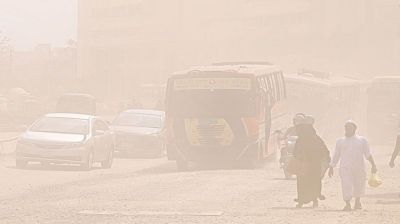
252,160
182,165
288,175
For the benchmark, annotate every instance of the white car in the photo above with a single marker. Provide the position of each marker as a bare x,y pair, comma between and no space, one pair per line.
67,138
139,133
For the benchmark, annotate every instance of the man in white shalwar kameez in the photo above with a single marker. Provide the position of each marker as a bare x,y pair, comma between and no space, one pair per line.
351,151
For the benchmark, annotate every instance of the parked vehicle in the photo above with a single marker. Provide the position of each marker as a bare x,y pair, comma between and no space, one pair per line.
76,103
287,154
66,139
330,98
139,133
383,109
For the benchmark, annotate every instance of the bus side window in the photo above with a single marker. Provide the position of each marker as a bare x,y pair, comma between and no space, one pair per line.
270,90
261,84
282,85
263,92
276,88
268,98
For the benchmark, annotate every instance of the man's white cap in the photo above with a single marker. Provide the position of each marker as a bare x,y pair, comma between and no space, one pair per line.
350,122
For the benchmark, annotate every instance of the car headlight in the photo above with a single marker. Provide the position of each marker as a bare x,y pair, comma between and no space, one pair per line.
75,145
155,135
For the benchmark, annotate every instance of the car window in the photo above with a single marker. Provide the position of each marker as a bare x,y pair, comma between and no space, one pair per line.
139,120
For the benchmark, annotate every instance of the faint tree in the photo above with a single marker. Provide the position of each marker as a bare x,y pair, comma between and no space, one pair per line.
4,45
5,58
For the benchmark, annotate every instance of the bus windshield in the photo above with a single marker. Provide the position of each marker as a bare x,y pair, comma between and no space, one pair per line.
212,96
213,103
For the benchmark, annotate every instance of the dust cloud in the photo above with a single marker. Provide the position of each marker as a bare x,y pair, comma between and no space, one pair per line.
199,111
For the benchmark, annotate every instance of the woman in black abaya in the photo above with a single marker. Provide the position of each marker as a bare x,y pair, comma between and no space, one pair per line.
311,150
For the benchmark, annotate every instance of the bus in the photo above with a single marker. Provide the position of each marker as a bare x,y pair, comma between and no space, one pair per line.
331,99
229,113
383,109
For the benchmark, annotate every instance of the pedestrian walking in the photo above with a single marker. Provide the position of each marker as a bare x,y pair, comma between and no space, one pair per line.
352,150
396,152
311,151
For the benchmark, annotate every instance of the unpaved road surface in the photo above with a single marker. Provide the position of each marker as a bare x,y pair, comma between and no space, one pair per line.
152,191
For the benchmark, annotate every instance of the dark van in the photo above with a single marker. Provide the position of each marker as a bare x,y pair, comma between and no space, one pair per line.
76,103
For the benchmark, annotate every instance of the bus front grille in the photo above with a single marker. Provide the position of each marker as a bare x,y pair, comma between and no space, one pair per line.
213,132
210,134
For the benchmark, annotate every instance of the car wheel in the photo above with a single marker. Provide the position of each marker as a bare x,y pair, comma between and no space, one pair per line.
88,165
21,164
250,161
106,164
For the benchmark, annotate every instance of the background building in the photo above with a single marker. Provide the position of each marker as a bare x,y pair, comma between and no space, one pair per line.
125,43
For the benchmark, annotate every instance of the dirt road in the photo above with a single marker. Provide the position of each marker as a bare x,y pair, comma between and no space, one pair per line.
151,191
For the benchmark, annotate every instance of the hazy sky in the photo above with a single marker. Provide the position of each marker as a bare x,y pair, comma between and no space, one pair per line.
29,22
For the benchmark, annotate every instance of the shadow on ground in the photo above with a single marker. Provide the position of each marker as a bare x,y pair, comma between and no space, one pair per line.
385,196
292,208
54,167
381,202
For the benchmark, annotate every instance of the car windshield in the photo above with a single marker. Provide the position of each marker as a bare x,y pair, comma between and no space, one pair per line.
62,125
138,120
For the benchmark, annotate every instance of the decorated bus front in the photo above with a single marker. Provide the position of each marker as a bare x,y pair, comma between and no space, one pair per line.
212,116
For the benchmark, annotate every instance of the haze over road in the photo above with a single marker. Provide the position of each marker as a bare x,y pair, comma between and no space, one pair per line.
152,191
